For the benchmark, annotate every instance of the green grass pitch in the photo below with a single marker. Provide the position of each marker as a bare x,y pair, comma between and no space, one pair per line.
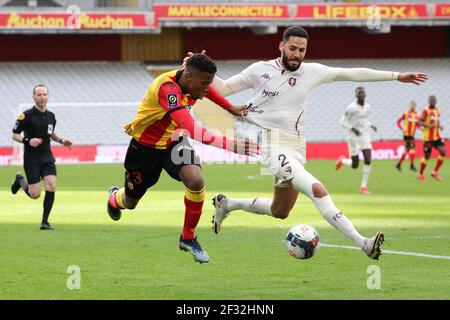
138,256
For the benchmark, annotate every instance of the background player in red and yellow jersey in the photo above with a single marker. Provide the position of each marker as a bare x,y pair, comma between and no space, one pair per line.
408,123
431,138
157,143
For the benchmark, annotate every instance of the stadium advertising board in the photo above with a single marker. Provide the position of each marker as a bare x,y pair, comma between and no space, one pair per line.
442,10
220,12
382,150
82,21
362,11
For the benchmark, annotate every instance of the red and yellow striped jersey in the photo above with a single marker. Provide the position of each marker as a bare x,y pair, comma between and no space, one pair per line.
153,125
410,123
430,118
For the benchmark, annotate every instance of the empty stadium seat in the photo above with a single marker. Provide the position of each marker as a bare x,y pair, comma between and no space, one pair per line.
92,101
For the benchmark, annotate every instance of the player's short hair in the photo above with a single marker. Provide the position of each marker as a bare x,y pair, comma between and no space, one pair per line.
295,31
359,88
201,62
39,86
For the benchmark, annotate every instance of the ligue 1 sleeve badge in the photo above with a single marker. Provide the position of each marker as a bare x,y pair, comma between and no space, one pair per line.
173,100
292,81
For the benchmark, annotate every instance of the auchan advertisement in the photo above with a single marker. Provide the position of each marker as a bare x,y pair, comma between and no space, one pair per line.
82,21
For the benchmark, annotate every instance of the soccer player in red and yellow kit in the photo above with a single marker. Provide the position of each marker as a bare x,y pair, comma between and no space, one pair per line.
157,144
431,138
410,120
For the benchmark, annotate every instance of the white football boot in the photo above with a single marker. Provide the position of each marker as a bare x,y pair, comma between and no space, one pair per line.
219,203
372,246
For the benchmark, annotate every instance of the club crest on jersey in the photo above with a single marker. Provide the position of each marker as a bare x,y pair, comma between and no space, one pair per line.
292,81
172,99
50,129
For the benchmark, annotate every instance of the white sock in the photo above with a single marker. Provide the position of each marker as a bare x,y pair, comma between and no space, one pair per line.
326,207
365,176
347,162
337,219
255,205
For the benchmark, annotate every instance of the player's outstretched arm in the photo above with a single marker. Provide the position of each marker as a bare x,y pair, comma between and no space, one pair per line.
413,77
232,85
367,75
184,120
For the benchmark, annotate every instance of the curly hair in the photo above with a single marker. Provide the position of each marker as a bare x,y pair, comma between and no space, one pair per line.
202,63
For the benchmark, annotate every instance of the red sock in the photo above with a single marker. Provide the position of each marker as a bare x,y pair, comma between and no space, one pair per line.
193,201
412,155
422,167
402,158
113,201
438,164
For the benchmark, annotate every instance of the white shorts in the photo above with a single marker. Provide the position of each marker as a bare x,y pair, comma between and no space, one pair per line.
284,163
356,145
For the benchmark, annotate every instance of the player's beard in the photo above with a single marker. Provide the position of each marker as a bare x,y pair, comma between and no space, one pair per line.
286,64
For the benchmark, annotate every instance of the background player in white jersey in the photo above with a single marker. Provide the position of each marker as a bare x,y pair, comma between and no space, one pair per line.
278,104
356,120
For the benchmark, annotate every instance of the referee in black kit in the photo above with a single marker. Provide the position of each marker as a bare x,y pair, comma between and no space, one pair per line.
38,125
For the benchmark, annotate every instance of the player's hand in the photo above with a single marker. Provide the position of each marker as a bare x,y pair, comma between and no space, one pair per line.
66,143
35,142
374,128
239,111
413,77
356,131
189,54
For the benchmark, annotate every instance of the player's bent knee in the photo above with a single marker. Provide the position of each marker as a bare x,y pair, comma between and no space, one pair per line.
195,184
280,214
50,187
281,211
319,190
34,195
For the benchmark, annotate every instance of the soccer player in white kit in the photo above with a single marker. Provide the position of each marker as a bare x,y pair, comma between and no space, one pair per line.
356,120
278,105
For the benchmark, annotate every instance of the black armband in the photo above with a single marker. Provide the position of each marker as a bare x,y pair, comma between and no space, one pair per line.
26,141
61,140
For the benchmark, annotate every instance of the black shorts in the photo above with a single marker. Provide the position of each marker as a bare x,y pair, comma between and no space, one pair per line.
427,145
38,166
143,165
409,142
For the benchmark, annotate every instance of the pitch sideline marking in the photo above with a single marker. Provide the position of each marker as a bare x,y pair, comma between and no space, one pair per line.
414,254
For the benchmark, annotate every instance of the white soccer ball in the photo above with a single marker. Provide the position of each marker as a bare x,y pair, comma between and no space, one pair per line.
302,241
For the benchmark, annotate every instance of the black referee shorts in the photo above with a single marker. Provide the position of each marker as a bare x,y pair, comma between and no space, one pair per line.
38,166
143,165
